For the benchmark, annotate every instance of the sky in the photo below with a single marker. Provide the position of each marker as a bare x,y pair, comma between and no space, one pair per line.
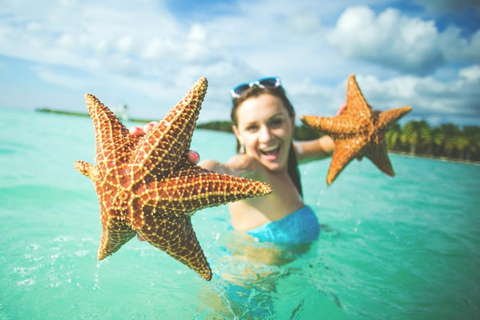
148,53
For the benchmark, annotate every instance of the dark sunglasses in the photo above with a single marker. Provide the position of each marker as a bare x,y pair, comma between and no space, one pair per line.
268,82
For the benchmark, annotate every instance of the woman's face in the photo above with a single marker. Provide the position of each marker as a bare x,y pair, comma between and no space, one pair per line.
265,129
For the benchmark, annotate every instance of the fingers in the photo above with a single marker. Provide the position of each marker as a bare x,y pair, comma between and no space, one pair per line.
138,131
342,109
149,126
193,156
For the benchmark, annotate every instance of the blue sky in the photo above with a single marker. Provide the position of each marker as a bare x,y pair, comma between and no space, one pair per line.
148,53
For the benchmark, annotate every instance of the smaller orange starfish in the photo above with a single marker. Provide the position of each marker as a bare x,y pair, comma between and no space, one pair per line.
357,132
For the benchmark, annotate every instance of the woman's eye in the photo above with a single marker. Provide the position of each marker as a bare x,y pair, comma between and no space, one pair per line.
251,128
276,122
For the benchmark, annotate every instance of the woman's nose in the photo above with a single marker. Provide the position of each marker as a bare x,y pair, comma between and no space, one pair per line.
265,134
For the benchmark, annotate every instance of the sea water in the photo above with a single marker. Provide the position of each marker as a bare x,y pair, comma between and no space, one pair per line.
390,248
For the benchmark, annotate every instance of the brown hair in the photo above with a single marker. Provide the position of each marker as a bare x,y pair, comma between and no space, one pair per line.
279,92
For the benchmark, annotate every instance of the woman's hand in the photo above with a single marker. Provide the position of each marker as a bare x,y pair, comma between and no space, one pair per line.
341,109
193,156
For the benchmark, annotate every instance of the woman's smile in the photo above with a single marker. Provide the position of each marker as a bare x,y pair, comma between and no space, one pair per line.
271,153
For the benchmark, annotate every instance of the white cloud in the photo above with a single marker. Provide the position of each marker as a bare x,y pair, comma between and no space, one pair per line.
456,48
66,41
471,73
144,50
117,37
61,79
157,48
197,33
124,44
425,94
399,42
431,99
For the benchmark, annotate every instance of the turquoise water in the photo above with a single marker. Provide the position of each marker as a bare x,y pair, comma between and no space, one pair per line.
401,248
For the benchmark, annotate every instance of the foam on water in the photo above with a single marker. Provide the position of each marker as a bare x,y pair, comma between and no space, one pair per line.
390,248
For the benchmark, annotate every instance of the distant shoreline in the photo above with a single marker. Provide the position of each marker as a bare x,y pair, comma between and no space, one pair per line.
444,159
82,114
225,126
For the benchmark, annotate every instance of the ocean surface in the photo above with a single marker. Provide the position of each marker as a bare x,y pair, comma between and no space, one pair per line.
391,248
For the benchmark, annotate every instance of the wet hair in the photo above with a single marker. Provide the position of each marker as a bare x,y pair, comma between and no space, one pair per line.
279,92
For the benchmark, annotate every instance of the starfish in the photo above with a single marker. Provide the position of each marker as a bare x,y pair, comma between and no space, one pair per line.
147,185
358,132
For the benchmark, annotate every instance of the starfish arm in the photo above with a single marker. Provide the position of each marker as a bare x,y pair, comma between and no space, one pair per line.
334,126
203,188
357,106
112,139
390,117
175,236
378,154
86,169
114,235
163,147
194,188
343,154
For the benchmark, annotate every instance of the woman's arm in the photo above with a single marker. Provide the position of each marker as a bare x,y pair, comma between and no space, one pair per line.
314,149
240,166
213,165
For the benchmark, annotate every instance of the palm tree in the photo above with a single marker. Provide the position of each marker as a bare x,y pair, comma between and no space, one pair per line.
468,142
438,139
416,134
393,137
445,138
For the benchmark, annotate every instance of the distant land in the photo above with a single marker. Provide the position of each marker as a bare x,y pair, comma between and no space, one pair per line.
301,132
447,142
83,114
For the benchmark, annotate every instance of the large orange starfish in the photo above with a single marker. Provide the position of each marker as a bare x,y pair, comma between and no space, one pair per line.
357,132
146,185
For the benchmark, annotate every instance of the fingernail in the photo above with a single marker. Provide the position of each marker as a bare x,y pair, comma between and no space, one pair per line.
196,156
134,130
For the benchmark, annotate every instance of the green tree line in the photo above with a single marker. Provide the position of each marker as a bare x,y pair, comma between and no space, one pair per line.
447,140
416,138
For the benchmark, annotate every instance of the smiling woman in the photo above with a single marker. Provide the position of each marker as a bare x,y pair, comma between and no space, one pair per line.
263,122
278,227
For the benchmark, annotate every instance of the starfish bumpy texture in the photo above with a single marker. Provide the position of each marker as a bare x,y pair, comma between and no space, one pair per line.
147,185
358,132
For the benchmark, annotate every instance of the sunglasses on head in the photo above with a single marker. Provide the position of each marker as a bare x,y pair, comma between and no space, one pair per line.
268,82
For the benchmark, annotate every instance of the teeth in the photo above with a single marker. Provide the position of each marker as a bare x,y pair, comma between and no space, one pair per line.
270,148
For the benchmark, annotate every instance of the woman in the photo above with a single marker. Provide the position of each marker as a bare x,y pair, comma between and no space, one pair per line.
263,123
